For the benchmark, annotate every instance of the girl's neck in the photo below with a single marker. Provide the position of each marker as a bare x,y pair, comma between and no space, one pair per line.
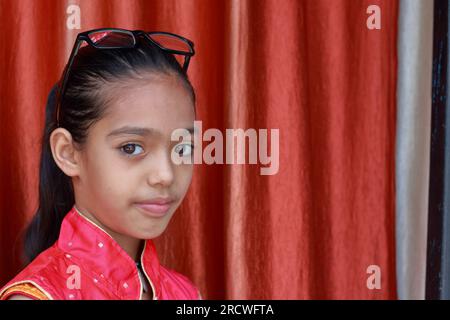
132,246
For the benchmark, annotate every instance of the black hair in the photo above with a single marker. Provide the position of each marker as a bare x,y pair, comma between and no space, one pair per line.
82,105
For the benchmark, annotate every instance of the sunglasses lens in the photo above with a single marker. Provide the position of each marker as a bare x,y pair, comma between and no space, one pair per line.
111,39
171,42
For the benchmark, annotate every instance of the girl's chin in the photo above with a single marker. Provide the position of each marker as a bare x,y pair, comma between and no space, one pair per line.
151,233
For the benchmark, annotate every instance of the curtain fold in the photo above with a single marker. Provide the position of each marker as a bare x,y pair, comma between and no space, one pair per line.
311,69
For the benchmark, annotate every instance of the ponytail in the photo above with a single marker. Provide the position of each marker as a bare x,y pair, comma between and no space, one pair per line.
56,196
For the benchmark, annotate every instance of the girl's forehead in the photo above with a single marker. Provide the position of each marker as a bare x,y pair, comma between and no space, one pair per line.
158,94
161,105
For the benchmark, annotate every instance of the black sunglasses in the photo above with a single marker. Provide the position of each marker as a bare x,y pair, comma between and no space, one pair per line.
112,38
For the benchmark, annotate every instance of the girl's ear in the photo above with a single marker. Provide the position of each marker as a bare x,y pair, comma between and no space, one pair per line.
64,152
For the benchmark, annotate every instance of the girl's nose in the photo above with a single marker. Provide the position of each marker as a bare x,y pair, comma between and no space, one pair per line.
161,173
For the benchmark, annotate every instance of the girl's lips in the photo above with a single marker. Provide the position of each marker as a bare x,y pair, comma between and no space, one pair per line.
155,208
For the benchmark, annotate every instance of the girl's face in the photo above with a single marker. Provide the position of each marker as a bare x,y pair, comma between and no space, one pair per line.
126,159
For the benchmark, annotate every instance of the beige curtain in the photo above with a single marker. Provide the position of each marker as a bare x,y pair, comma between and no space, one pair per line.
415,43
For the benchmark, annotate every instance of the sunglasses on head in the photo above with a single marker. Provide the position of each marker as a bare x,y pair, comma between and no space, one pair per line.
112,38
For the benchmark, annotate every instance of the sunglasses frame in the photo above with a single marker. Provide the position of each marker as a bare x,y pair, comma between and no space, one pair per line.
84,36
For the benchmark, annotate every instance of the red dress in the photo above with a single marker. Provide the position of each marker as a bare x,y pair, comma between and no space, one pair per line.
87,263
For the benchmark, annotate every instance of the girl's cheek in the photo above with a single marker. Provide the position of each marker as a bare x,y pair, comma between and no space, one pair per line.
189,172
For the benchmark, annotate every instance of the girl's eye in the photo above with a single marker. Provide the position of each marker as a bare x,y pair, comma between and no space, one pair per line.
183,149
131,149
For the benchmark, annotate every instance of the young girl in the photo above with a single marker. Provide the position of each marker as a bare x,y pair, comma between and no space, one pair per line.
108,182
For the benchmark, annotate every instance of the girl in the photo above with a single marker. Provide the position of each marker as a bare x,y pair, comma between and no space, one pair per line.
108,182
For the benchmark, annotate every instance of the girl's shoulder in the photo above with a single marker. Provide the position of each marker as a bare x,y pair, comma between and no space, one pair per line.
37,279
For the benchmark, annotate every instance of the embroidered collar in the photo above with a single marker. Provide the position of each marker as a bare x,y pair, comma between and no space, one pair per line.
101,257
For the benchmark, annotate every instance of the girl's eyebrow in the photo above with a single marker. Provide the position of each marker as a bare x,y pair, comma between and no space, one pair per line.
139,131
133,130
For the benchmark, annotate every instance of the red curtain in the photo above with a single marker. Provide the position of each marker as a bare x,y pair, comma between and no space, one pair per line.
310,68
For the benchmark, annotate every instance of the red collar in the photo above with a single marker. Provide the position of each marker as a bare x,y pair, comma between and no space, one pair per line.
101,257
